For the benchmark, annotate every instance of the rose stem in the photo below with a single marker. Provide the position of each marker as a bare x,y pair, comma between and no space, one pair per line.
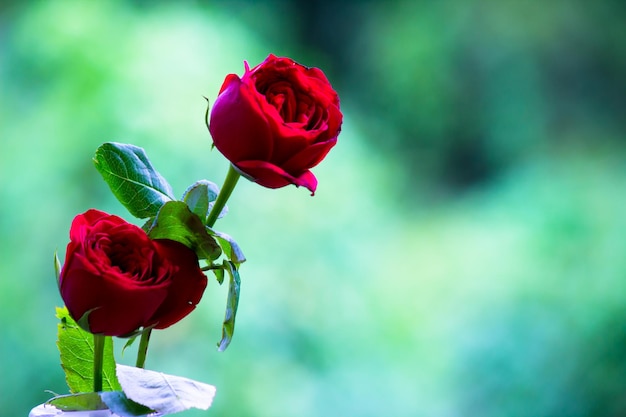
143,348
229,185
98,353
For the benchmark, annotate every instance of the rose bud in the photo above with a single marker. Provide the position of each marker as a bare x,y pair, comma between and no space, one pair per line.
122,280
276,122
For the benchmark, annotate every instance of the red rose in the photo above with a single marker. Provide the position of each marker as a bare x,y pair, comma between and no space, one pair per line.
125,280
276,122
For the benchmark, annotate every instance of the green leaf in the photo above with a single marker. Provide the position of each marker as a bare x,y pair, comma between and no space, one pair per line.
122,406
116,401
166,394
229,246
133,180
84,401
219,275
77,348
199,197
175,221
222,213
228,328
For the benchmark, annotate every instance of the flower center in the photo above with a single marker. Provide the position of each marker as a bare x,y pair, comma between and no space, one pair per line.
127,254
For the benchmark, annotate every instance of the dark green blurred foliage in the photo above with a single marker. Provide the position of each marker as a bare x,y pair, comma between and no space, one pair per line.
464,254
461,90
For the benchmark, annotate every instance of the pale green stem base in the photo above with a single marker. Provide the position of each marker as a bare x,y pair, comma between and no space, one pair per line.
143,348
98,353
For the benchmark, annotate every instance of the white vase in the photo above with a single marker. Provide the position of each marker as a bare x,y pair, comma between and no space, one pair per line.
46,410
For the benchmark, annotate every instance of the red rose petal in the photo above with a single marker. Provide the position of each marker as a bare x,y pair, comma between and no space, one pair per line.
237,124
187,283
272,176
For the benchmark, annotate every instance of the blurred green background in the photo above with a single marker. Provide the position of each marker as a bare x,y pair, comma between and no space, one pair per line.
465,254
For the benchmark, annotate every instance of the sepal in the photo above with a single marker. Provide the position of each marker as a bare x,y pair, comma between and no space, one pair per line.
84,401
57,270
200,197
232,302
231,249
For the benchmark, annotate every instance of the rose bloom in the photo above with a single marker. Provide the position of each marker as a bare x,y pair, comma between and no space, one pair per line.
123,280
276,122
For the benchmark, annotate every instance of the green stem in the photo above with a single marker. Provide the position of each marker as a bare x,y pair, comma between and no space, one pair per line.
210,267
143,348
98,353
229,185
